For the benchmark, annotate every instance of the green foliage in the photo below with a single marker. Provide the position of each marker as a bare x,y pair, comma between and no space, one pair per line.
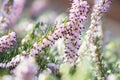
3,72
82,71
111,58
48,56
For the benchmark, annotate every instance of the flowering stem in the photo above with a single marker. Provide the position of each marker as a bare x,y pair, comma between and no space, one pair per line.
98,61
96,35
93,38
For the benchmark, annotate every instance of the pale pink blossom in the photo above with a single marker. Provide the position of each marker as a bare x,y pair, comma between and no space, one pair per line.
7,42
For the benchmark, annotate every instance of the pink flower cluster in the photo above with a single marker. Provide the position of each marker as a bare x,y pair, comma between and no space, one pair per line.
105,5
7,41
78,14
78,11
99,9
70,30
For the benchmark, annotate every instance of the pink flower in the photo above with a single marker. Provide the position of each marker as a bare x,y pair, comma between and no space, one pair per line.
78,14
6,42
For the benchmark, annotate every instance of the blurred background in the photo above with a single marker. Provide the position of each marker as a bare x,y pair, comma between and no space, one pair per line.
57,7
48,10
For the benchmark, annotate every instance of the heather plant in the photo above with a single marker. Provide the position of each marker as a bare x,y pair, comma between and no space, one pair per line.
59,51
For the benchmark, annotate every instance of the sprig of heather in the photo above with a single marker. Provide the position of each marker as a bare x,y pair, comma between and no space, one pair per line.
70,30
14,61
48,40
95,29
78,14
94,36
10,12
21,55
7,41
99,9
